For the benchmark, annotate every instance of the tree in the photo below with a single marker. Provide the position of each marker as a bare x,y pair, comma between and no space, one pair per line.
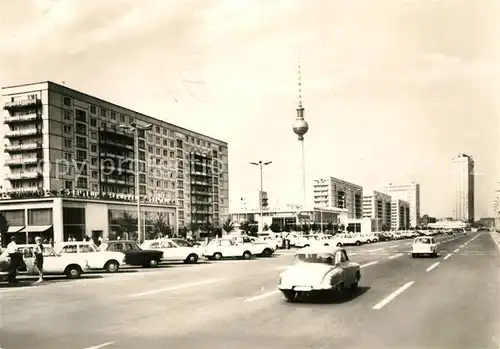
275,228
253,228
4,228
228,226
341,227
329,227
245,226
126,224
315,227
161,227
306,228
207,227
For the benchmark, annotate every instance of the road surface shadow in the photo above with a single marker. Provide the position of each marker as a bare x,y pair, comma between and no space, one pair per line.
329,298
31,282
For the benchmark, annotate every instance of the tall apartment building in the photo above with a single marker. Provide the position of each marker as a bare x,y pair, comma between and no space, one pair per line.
377,206
463,188
336,193
400,215
409,193
69,164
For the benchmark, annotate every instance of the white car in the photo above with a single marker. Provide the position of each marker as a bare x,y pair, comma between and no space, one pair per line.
54,263
98,260
226,248
256,246
175,250
424,245
348,239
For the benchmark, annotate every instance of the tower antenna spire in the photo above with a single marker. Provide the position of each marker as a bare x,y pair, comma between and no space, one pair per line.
299,81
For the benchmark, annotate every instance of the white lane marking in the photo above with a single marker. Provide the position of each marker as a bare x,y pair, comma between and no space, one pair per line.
174,288
375,250
396,256
432,266
447,256
456,250
394,246
101,345
393,295
368,264
261,296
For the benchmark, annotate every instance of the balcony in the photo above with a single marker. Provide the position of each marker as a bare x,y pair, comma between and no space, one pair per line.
200,192
23,133
23,175
22,190
110,142
103,155
120,182
32,160
201,202
15,148
201,183
23,103
203,174
22,118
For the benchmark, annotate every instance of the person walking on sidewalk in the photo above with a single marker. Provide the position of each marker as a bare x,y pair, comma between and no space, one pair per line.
38,263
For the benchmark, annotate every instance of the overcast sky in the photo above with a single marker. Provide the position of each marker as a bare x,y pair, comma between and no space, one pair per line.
393,90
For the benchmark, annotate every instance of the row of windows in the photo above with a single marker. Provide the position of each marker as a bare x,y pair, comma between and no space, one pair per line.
80,115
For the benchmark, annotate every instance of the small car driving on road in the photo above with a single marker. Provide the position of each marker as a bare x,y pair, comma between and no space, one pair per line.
424,245
175,249
226,248
319,269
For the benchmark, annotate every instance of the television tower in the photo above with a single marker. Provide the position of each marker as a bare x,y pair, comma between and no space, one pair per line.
300,127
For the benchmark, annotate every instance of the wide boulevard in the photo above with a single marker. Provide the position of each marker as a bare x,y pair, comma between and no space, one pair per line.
452,301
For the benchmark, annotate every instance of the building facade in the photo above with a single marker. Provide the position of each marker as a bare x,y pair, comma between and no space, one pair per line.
463,188
400,215
409,193
336,193
59,139
377,207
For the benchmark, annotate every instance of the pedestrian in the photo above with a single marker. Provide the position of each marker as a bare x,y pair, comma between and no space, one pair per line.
12,250
38,262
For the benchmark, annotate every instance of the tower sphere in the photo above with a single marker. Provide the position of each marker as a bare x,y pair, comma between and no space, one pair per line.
300,127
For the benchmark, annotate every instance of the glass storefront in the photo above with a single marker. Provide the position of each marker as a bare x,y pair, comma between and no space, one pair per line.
123,222
73,223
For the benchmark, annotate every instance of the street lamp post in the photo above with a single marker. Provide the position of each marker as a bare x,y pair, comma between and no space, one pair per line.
321,181
135,129
261,207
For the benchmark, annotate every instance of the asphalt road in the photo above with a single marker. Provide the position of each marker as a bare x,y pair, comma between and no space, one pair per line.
447,302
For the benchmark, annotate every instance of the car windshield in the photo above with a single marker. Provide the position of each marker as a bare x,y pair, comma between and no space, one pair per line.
423,241
182,243
319,258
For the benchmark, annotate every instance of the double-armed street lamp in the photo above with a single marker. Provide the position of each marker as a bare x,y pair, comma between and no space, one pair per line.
135,129
261,206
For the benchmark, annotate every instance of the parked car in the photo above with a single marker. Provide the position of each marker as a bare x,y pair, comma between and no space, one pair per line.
256,247
424,246
348,239
54,263
134,254
319,269
107,260
226,248
175,249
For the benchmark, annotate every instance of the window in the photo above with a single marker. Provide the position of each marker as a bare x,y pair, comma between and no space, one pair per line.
172,144
141,133
122,118
81,142
165,143
67,101
82,182
86,249
93,161
142,144
158,151
165,152
142,155
165,132
81,129
67,129
179,143
67,114
68,185
150,148
93,148
93,109
81,155
94,174
103,125
67,143
157,129
93,135
70,249
172,154
103,112
158,140
93,122
113,115
80,115
68,157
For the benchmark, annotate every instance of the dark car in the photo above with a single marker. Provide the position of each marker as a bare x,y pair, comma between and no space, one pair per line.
134,254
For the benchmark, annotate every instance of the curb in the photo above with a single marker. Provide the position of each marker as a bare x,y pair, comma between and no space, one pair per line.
496,238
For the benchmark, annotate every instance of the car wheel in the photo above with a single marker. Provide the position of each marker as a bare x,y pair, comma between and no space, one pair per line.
73,272
368,241
290,295
307,245
112,266
192,259
327,245
358,243
247,255
217,256
153,263
339,245
267,252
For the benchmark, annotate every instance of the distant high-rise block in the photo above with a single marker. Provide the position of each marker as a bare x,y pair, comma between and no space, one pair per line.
409,193
463,188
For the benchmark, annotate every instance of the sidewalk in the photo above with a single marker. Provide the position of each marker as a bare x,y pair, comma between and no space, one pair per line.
496,237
